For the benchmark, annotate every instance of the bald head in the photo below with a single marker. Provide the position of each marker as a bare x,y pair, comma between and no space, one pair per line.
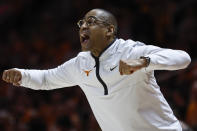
107,17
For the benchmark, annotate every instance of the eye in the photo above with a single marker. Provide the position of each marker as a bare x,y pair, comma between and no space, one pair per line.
80,23
90,21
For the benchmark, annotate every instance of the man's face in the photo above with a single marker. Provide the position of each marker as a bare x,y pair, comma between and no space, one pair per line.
92,31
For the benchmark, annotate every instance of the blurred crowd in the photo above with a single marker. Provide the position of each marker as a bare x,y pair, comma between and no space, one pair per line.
38,34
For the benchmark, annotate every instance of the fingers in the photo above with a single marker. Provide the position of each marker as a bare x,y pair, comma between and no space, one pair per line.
5,76
125,69
120,67
17,78
129,67
16,84
12,76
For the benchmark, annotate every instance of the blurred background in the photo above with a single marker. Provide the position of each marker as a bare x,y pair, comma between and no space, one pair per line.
41,34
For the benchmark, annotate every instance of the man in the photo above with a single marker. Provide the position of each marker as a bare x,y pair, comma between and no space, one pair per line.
116,76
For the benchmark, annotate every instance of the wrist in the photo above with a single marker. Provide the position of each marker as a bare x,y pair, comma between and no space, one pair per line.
146,61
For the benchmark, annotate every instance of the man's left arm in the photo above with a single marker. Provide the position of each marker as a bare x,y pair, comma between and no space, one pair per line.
155,58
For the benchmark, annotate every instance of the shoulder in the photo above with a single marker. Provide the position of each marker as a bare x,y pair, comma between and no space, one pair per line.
75,62
81,56
86,55
128,44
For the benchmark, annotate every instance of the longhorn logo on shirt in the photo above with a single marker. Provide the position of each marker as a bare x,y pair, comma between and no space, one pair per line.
87,72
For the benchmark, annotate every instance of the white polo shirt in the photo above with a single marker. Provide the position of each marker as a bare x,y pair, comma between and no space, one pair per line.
119,102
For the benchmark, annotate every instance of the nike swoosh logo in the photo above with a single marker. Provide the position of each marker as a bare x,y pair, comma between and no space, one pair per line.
111,69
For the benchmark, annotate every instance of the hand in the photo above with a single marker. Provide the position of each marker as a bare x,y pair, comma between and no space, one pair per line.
129,67
12,76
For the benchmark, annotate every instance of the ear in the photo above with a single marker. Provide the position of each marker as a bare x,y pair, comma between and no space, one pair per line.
110,31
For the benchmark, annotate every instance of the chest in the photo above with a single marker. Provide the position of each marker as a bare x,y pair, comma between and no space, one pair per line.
103,77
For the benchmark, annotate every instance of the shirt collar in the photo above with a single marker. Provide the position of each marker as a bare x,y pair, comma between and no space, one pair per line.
107,51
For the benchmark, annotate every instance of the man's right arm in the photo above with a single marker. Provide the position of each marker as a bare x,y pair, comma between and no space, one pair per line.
42,79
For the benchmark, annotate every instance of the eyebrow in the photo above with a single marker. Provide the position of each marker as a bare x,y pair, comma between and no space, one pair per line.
90,17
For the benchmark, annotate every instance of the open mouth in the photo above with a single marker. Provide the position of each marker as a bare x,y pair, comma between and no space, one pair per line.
84,38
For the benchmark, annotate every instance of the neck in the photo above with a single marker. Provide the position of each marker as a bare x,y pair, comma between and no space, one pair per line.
97,52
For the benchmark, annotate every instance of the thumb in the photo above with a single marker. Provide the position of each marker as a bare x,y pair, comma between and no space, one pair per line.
16,84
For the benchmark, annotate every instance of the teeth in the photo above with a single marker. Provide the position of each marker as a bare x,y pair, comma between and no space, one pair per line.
84,37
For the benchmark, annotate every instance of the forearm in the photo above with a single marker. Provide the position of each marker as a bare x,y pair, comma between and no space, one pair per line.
47,79
34,79
162,58
167,59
